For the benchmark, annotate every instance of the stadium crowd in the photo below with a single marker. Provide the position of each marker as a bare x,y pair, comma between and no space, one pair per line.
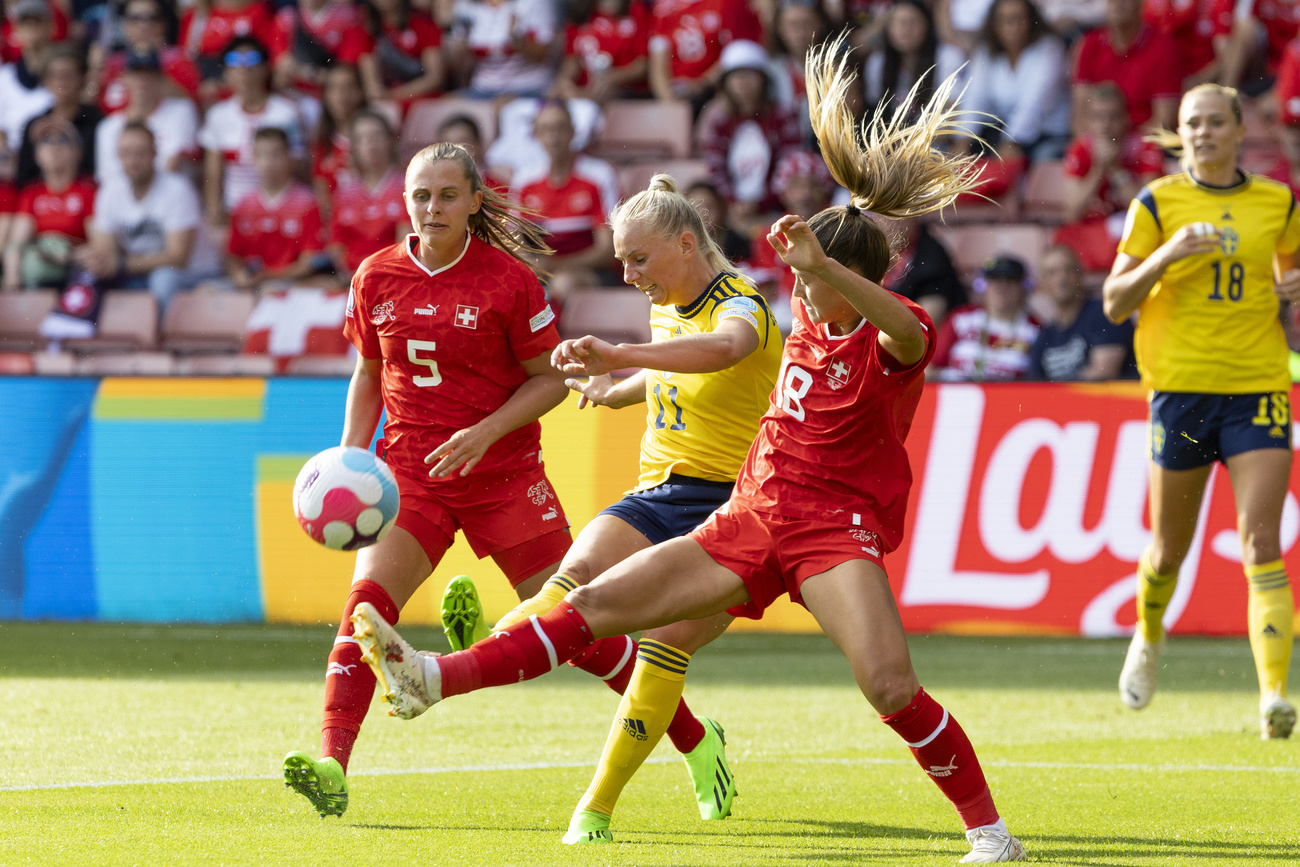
253,149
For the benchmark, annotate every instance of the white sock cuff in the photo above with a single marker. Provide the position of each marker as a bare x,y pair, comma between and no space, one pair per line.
943,723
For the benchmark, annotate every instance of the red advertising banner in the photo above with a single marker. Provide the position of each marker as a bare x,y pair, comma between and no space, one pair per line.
1028,515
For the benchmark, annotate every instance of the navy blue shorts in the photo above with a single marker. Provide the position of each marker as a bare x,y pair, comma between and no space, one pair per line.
1194,430
672,509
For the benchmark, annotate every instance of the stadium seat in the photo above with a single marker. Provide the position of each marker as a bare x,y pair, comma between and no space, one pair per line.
616,315
20,318
635,177
16,364
126,364
128,321
426,115
1045,193
198,322
55,363
320,365
226,365
972,246
637,129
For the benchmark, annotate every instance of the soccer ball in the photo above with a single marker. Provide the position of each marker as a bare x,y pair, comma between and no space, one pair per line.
346,498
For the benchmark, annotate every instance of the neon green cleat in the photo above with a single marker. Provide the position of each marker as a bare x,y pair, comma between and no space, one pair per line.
588,826
320,781
462,613
715,787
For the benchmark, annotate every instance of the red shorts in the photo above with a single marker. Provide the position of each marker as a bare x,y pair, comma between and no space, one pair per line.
774,555
513,517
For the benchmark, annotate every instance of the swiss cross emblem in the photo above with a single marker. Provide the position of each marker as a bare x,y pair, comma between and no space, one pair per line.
837,374
466,316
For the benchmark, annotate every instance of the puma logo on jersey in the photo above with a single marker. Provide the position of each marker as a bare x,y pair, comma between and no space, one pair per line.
427,310
943,770
339,668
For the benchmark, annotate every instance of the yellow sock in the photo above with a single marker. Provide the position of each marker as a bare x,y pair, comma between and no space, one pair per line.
551,594
1154,593
644,713
1270,615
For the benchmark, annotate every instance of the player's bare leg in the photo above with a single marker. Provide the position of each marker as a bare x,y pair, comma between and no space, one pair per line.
855,606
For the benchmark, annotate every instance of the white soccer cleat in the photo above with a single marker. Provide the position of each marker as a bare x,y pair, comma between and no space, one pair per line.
411,681
1276,717
993,844
1137,679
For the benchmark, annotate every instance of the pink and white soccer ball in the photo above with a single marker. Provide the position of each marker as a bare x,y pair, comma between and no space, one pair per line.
346,498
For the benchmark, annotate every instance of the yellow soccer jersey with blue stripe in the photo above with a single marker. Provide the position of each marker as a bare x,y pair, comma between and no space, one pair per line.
1211,323
702,424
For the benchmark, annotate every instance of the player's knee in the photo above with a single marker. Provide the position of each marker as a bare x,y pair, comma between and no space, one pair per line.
1165,560
888,688
578,570
1259,547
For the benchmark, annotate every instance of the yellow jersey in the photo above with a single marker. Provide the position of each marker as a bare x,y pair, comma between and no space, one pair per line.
1211,323
702,424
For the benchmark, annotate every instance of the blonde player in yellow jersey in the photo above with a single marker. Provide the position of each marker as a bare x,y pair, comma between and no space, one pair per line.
1206,254
705,379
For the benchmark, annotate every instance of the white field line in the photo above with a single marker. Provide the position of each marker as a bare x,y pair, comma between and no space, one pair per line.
543,766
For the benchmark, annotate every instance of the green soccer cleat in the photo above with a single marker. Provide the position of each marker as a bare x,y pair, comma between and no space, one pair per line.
588,826
715,787
462,613
320,781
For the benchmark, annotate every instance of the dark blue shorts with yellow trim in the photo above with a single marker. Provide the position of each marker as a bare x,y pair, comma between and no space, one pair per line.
1190,430
672,509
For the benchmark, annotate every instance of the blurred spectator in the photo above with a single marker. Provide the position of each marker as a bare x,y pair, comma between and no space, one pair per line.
144,28
1072,18
52,212
228,128
342,97
369,212
799,25
961,22
1079,344
803,186
65,78
10,46
503,47
275,231
1144,63
911,50
1200,28
989,341
1261,30
147,232
313,35
686,42
21,95
744,133
572,200
924,272
606,50
463,130
207,29
406,63
713,210
173,121
1105,167
1287,108
1018,75
8,204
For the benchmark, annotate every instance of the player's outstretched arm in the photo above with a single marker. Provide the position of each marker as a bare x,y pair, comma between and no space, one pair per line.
540,393
605,390
364,404
733,340
901,333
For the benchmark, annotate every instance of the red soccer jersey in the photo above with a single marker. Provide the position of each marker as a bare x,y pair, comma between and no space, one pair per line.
451,342
1281,21
8,198
276,231
571,213
64,212
1193,24
694,32
176,65
831,444
337,28
1147,70
224,23
327,163
606,42
1288,84
1138,157
365,221
420,33
10,50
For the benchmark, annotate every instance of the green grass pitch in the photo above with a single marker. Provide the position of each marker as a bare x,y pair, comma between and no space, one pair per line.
157,745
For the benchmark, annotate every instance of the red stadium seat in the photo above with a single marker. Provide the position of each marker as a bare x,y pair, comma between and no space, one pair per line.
615,315
1045,193
20,318
206,322
128,321
425,116
637,129
634,178
16,364
972,246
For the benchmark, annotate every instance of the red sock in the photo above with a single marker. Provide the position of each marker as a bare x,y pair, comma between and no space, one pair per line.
944,752
349,682
526,650
612,660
